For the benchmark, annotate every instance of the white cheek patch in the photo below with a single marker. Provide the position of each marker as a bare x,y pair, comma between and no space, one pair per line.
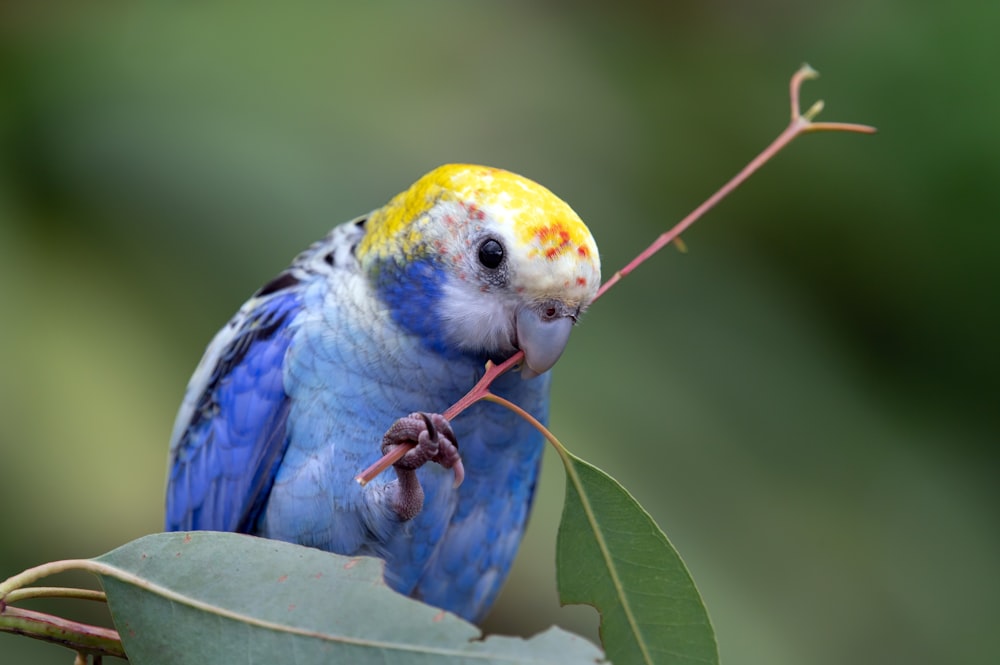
476,320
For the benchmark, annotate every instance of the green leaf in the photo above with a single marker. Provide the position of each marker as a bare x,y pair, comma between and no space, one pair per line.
206,597
612,555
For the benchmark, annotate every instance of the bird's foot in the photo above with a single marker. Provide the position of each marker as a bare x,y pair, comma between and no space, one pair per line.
433,441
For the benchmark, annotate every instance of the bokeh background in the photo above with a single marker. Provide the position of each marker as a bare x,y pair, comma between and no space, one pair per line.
806,402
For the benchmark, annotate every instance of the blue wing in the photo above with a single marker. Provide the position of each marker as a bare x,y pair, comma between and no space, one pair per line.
231,434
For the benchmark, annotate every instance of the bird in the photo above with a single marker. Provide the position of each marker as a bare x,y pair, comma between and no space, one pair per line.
359,346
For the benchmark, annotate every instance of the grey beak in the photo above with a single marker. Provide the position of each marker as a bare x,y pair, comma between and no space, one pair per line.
542,338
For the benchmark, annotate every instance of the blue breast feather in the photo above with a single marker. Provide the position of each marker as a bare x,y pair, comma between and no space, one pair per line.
224,464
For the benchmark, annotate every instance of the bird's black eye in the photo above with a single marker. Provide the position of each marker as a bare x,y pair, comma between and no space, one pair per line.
491,253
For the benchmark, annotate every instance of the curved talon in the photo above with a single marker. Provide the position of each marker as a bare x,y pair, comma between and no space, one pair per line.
433,440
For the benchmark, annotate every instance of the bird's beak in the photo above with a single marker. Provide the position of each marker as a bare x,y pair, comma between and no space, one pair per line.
542,336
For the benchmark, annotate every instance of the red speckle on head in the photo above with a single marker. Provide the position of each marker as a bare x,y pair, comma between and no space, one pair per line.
581,281
283,578
473,211
318,575
350,564
439,616
187,538
554,238
582,251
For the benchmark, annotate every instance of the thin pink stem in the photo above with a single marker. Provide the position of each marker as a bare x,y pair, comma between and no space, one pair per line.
478,392
793,130
482,386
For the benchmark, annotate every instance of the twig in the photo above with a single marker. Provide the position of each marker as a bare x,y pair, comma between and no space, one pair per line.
81,637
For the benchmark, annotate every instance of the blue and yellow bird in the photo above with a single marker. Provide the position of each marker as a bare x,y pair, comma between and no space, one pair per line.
358,346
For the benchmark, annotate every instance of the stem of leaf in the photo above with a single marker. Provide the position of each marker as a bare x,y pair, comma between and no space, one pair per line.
32,575
18,595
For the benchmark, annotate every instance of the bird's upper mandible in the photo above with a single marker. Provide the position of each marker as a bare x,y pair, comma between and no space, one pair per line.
479,260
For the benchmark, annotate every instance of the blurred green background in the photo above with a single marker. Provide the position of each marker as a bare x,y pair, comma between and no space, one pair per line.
806,402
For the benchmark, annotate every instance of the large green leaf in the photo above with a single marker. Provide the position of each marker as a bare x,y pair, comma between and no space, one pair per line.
225,598
612,555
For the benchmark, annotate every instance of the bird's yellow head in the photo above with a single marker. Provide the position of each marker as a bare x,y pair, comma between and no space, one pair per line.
496,262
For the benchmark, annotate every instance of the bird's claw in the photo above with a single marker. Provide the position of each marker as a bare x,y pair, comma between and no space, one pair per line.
433,440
